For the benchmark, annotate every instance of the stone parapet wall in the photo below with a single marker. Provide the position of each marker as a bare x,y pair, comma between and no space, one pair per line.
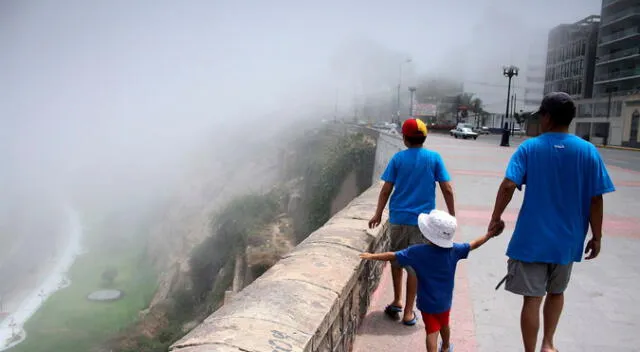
312,300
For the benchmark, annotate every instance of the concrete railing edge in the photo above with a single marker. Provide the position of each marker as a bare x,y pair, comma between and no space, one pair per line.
313,299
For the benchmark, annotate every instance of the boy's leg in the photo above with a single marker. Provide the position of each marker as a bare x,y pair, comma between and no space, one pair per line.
414,237
445,331
396,277
432,327
432,342
530,281
554,302
399,241
412,290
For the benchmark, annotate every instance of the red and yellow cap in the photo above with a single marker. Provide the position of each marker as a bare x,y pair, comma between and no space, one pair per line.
414,128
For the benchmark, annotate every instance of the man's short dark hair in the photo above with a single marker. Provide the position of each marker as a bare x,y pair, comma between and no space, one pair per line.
560,107
416,140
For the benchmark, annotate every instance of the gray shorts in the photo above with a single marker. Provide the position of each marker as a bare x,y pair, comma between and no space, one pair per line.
403,236
537,279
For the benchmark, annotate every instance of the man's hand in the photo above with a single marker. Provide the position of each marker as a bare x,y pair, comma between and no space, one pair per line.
593,248
375,221
366,255
496,226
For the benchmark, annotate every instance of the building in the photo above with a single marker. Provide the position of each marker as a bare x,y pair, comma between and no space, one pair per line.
617,69
600,117
571,52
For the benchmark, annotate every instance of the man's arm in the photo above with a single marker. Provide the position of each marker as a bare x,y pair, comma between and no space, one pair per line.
387,257
503,198
447,193
383,198
595,220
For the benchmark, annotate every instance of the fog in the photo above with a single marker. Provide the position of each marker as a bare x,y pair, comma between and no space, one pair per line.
99,94
111,102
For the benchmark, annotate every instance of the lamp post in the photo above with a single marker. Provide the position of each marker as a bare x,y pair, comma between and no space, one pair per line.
406,61
412,92
509,72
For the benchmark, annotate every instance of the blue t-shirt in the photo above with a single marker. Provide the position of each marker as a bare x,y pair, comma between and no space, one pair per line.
435,268
562,172
414,173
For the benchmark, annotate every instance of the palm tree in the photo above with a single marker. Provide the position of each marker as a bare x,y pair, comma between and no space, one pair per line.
477,109
461,104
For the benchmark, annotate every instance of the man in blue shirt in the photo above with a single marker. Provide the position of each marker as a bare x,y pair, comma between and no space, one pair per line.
412,175
565,179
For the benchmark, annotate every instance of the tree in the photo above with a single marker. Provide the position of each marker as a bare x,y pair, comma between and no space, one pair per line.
109,276
477,109
524,116
461,104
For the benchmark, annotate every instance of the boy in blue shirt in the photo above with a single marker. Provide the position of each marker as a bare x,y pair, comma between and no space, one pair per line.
435,266
412,175
565,179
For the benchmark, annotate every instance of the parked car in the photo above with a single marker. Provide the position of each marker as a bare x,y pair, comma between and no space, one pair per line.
464,133
483,130
460,125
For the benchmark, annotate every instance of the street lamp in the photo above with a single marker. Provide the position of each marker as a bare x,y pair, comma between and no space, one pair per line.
412,92
406,61
509,72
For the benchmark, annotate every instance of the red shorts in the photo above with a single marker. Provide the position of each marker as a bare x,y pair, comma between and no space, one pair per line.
434,322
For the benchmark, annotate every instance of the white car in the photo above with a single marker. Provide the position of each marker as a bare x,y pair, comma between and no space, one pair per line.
464,133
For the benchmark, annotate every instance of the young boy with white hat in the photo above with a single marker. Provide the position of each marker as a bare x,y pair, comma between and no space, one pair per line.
435,266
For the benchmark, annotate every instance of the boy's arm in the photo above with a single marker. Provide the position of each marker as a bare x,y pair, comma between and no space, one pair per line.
479,241
483,239
447,193
387,257
383,198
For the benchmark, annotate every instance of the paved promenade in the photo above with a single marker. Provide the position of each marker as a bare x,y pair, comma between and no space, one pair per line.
601,312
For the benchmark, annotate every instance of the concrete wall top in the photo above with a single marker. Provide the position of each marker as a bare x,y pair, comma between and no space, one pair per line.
294,304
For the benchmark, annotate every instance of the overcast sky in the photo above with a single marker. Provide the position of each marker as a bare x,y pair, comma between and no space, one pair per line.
131,84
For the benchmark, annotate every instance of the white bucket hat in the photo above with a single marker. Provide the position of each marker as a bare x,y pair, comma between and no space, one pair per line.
438,227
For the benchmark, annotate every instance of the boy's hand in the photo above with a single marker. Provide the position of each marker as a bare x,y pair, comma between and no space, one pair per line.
592,249
366,255
375,221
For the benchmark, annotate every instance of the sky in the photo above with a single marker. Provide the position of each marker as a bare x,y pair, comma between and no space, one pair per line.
102,92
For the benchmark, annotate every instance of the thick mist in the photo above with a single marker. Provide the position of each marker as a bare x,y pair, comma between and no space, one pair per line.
107,97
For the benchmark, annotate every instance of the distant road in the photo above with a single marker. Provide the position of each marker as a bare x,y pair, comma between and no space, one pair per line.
627,159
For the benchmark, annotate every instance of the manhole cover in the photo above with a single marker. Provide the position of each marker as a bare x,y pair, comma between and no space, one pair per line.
105,295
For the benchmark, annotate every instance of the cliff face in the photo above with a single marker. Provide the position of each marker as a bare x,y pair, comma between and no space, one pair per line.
216,178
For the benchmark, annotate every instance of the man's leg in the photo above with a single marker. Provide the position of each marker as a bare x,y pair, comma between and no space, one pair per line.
552,310
553,304
530,322
530,281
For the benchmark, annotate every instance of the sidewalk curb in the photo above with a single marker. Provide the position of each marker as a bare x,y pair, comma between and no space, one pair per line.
617,147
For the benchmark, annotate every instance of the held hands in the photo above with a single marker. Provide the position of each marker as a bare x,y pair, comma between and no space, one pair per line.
592,249
496,226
